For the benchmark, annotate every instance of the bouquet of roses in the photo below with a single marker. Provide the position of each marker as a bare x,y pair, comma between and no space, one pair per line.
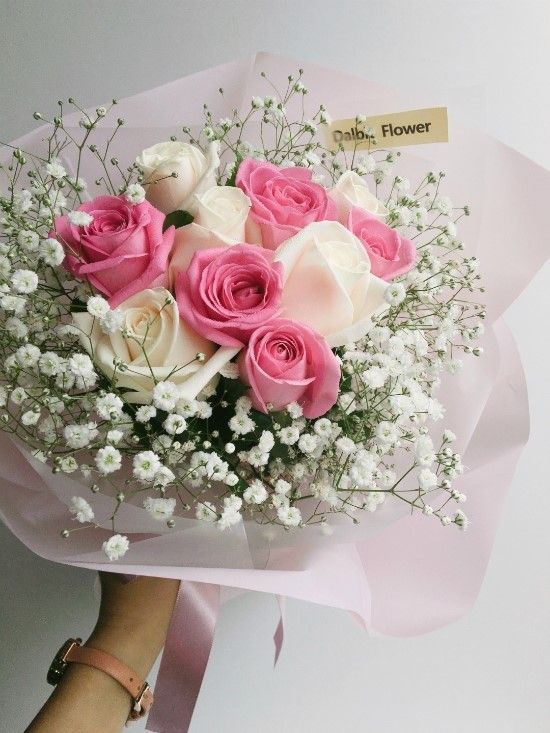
233,356
238,323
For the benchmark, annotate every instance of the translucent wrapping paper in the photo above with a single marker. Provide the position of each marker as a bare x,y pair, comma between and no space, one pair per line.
400,574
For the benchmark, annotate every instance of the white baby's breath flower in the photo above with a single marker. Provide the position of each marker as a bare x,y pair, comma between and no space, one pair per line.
50,363
160,508
346,445
323,427
68,464
80,218
146,464
109,406
375,377
427,479
114,436
165,396
289,435
79,436
267,441
163,477
116,546
256,493
206,512
5,266
203,410
81,509
387,432
28,240
282,486
27,355
18,395
424,451
444,204
55,169
290,516
241,424
24,281
435,409
108,459
16,327
308,442
395,293
187,407
231,479
97,306
145,413
243,404
112,321
257,457
22,201
13,303
31,417
449,436
81,365
279,500
135,193
348,402
461,520
294,410
174,424
231,512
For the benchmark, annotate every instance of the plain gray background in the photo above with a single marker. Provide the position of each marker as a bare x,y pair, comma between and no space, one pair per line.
488,673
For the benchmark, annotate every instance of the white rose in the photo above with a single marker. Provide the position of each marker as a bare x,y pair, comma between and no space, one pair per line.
195,173
352,190
155,336
220,216
223,210
328,283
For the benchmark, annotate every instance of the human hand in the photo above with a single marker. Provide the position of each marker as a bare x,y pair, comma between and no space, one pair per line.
132,625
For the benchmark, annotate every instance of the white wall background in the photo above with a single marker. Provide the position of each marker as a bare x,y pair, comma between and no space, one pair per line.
488,673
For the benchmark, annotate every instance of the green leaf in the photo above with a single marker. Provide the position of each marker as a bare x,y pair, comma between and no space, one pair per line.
78,306
177,219
233,389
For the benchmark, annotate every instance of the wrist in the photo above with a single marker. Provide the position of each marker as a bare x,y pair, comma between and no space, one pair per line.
136,647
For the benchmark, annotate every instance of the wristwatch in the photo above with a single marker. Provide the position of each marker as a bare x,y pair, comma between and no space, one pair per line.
73,651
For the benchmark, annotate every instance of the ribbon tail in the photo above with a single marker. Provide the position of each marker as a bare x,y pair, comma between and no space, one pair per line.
279,635
185,657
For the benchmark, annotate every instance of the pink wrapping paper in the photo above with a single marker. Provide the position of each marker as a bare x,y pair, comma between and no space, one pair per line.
399,574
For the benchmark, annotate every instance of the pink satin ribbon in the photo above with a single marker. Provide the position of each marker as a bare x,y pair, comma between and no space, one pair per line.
185,657
186,654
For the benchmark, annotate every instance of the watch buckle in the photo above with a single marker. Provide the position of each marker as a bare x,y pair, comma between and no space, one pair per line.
138,708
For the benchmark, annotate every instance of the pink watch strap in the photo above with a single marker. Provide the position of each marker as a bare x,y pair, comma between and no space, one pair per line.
139,690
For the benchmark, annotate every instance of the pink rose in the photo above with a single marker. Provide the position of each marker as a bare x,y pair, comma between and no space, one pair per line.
284,200
121,251
226,293
390,255
289,362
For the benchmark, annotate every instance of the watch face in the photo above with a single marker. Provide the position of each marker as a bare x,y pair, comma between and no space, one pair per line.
59,665
55,672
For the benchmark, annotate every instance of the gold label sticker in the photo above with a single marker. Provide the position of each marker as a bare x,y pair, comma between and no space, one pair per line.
413,127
